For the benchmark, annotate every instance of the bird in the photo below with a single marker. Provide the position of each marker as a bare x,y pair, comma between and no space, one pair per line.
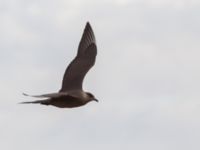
71,93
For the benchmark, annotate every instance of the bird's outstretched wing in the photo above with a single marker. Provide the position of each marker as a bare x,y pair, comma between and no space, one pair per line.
50,95
84,60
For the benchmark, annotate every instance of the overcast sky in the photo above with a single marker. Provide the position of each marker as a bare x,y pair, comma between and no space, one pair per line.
146,77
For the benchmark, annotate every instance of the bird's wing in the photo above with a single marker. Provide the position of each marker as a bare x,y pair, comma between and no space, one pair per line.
84,60
50,95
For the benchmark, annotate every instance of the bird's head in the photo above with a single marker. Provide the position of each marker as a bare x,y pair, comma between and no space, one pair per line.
91,97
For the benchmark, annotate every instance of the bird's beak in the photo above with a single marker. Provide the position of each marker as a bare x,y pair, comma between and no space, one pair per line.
96,100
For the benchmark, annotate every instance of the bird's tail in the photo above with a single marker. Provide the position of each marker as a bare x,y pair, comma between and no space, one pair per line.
43,102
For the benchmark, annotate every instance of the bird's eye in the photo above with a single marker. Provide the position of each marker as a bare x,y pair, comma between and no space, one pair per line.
90,95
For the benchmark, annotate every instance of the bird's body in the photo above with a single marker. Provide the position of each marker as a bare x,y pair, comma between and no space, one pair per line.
71,93
70,99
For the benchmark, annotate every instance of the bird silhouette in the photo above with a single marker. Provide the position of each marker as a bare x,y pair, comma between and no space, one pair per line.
71,93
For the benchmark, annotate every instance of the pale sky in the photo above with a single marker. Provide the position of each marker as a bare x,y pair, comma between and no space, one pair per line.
146,77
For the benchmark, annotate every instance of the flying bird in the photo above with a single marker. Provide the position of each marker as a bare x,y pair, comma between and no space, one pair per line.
71,93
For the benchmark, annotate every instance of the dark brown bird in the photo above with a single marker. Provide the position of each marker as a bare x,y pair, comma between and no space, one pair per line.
71,93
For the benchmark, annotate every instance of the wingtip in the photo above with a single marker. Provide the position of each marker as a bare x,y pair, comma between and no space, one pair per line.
25,94
23,103
88,24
